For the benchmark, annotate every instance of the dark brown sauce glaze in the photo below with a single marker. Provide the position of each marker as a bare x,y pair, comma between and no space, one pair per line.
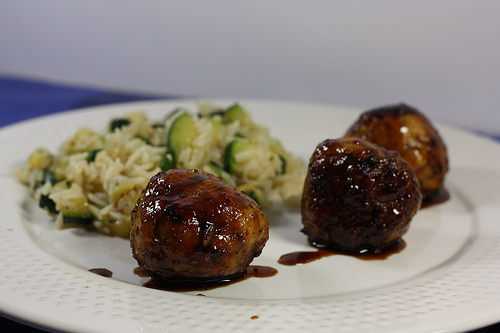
141,272
394,248
442,196
102,272
403,128
260,271
304,257
189,223
208,284
357,195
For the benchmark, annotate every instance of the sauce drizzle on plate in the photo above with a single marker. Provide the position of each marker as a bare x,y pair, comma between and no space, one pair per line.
304,257
440,197
208,284
102,272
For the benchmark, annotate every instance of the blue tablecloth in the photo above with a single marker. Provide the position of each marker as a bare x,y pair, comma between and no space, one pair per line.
22,99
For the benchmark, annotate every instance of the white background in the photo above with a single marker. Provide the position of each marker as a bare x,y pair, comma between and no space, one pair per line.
442,56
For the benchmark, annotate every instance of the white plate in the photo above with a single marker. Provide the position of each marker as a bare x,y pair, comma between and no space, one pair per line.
447,279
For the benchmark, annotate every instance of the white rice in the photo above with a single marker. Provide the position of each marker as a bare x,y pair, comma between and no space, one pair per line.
110,185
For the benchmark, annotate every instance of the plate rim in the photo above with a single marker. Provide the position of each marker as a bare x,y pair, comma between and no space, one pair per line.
489,316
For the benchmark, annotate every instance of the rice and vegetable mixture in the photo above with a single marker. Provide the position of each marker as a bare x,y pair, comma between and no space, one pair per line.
96,178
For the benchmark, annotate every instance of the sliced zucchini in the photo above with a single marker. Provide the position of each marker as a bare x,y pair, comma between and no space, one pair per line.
45,202
73,207
49,177
276,146
167,162
145,140
256,196
217,131
91,155
75,211
120,189
181,133
283,166
172,114
119,228
207,110
232,149
234,113
158,125
118,123
253,192
216,124
77,221
43,177
40,159
218,112
218,171
61,185
71,202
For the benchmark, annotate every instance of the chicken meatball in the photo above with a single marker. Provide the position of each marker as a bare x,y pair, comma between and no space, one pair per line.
189,225
358,196
404,129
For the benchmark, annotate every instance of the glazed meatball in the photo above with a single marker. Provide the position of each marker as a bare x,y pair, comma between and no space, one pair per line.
358,196
404,129
189,225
